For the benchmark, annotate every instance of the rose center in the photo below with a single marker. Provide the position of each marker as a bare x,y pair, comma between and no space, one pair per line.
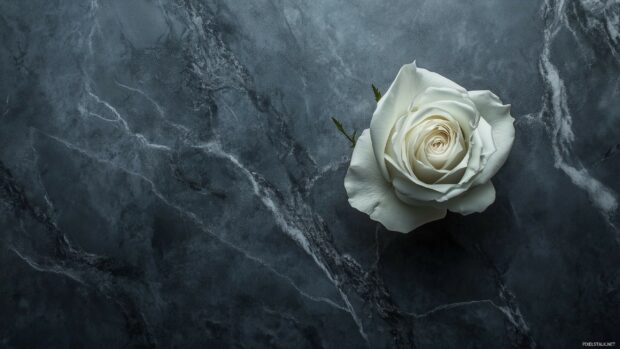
438,141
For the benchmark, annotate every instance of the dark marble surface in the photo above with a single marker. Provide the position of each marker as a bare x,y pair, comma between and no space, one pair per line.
169,176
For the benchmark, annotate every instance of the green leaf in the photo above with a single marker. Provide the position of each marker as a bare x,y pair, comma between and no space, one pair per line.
338,124
376,91
340,128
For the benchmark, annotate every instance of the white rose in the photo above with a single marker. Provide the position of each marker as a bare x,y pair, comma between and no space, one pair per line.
432,146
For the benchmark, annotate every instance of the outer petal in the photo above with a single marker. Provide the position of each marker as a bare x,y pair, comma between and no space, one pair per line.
476,199
409,83
498,116
370,193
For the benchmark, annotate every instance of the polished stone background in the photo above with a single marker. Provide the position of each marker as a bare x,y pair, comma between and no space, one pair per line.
170,177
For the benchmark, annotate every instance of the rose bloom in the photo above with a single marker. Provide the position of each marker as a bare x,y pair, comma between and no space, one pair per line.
432,146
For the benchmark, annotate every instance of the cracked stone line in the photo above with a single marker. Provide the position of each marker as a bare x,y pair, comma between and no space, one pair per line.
451,306
267,197
511,308
261,192
559,125
35,161
108,291
85,268
160,110
119,119
195,219
298,235
207,36
269,204
596,30
322,171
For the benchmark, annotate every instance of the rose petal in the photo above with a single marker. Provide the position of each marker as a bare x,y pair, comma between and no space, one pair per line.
475,164
498,116
409,83
457,152
486,135
428,191
476,199
427,173
453,176
455,101
370,193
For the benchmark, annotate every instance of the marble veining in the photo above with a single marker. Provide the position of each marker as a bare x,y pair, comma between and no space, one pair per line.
170,176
